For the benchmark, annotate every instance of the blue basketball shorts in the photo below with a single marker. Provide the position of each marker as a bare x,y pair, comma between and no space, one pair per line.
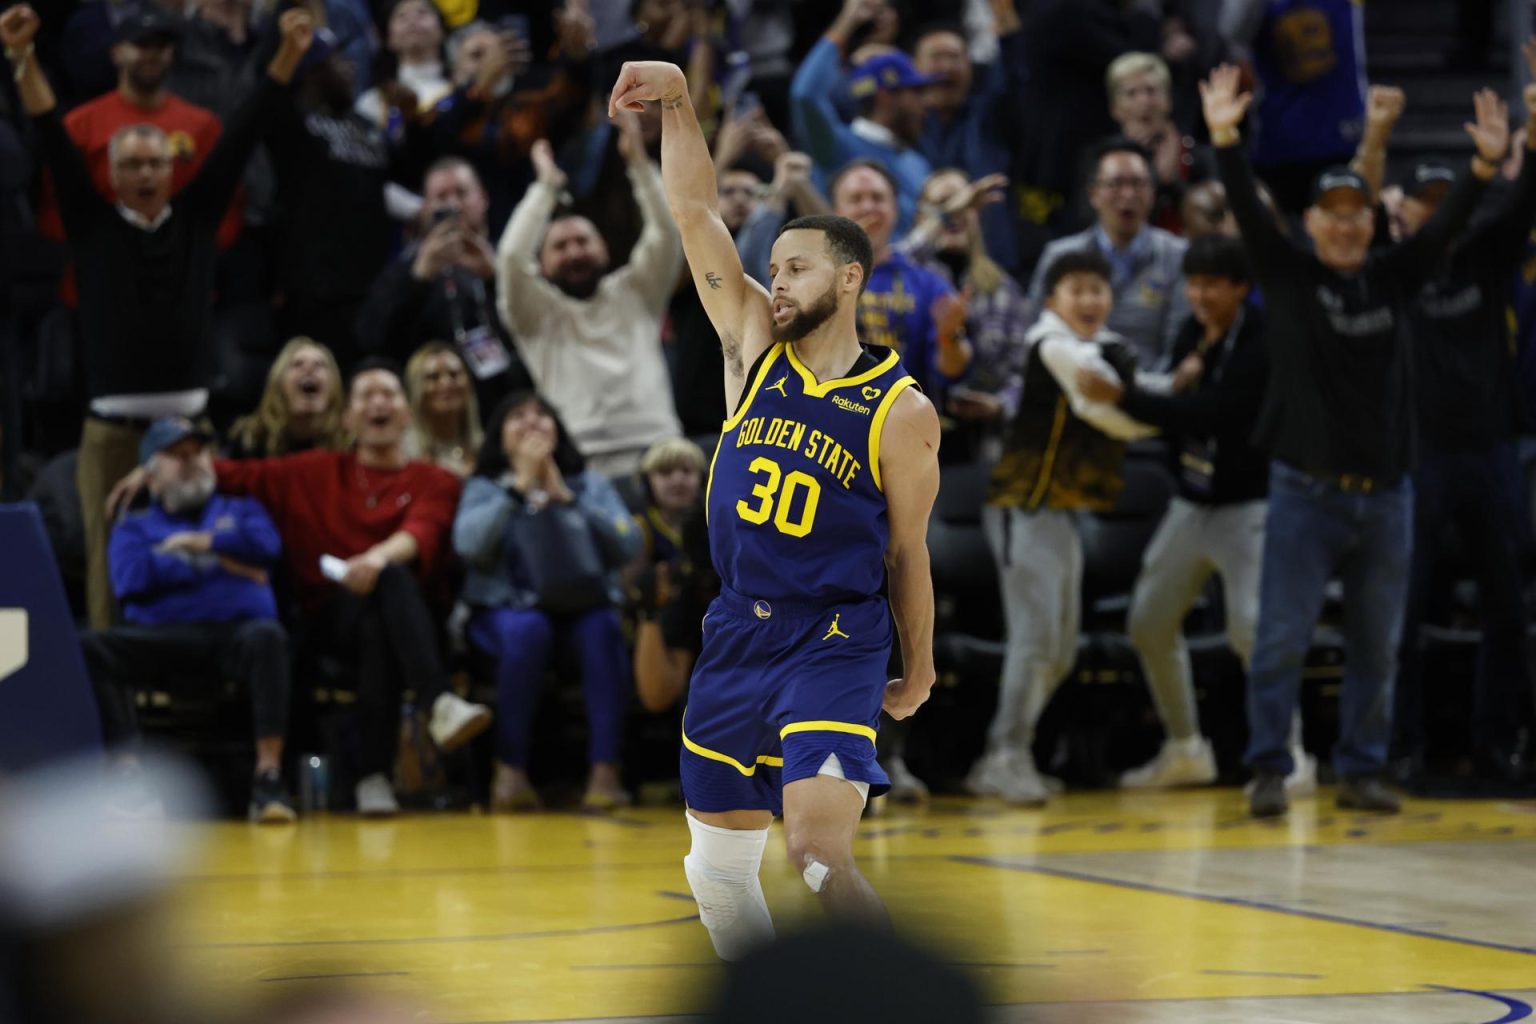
778,688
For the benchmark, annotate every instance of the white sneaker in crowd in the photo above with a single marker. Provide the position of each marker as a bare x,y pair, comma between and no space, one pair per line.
1187,762
1011,776
455,721
376,797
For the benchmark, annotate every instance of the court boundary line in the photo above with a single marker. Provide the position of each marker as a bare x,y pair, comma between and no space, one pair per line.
1427,990
1238,901
433,940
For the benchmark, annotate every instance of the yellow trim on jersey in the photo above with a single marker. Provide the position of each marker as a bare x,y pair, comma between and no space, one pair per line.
847,727
751,392
819,390
661,526
735,421
715,755
1048,463
877,427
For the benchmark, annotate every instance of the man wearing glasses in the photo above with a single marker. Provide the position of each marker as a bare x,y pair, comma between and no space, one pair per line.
144,265
1338,421
1148,282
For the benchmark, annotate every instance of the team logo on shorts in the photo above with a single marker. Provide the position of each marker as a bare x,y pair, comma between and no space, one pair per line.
835,631
762,609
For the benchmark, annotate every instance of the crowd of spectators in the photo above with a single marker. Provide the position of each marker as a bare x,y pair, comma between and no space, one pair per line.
369,339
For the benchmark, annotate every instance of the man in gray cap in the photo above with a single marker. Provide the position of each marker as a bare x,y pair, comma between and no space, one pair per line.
1338,422
191,573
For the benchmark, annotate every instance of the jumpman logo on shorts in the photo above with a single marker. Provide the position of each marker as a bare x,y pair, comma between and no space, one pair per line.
778,386
834,631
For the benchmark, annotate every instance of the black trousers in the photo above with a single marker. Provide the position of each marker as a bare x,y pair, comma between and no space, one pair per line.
177,658
391,639
1479,491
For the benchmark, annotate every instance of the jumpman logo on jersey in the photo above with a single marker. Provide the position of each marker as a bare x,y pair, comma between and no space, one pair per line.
834,631
778,386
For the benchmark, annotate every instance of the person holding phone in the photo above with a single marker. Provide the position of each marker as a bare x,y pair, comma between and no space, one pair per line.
444,288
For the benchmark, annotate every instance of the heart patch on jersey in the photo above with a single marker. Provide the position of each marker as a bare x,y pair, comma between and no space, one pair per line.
870,394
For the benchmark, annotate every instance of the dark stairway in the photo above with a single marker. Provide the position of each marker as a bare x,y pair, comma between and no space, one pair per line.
1406,44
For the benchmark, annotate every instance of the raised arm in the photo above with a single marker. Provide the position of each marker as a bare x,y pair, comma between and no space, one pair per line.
18,29
1224,107
737,306
909,474
1415,259
1383,106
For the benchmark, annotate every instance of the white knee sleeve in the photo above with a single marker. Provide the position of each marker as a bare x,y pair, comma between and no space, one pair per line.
722,868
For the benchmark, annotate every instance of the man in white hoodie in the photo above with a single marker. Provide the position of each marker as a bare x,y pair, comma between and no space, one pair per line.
591,338
1063,452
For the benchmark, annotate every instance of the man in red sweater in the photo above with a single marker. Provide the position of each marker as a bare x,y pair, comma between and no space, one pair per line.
365,532
144,50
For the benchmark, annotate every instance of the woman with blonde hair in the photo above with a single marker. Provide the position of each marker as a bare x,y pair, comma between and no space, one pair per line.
445,428
300,408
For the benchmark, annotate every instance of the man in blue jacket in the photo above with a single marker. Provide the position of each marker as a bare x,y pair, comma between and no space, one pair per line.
191,574
889,91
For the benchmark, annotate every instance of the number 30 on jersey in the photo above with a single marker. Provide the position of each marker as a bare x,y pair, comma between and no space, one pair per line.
777,495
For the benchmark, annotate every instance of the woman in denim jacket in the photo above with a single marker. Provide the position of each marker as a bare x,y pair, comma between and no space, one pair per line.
543,539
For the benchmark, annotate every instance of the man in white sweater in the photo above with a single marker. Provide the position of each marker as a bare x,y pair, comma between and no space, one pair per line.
591,339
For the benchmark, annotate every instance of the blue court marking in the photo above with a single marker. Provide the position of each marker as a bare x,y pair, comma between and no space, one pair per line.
1516,1009
432,940
1238,901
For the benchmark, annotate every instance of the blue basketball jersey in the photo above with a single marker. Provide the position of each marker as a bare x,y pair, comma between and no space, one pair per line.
795,504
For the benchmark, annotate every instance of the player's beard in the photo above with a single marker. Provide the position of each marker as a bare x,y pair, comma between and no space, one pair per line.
807,318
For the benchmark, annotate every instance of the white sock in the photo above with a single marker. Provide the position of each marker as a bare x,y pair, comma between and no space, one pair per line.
722,868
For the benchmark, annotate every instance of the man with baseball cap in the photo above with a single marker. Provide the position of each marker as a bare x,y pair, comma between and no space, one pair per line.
191,572
1338,422
1469,472
889,92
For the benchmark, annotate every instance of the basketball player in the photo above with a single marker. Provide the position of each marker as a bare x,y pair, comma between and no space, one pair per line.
822,484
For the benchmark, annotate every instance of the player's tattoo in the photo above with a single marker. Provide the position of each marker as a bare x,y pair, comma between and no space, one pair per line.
712,279
674,102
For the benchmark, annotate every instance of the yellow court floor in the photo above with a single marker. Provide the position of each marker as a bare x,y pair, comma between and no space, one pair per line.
1104,907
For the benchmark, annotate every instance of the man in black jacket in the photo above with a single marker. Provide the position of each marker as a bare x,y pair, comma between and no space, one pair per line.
1469,473
444,288
1338,419
1216,523
145,269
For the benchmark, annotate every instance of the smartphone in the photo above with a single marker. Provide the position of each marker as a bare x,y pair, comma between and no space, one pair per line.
443,213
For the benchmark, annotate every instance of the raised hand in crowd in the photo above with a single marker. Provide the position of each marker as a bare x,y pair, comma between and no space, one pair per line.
854,16
1224,104
545,169
1383,106
18,28
749,133
1489,132
296,28
631,140
506,58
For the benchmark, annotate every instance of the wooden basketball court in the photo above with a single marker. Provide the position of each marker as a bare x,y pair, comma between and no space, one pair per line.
1105,907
